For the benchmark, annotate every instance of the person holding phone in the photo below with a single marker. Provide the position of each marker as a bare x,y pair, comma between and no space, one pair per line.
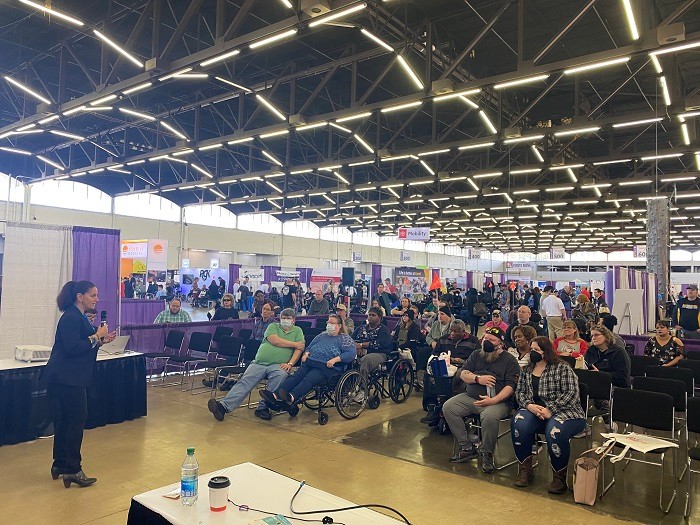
68,374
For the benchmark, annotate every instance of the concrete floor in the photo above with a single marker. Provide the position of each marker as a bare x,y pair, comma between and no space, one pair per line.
144,454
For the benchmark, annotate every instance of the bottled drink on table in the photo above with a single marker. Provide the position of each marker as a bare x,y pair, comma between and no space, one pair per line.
188,479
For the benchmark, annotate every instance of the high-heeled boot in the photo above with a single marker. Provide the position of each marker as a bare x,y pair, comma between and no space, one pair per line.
79,478
55,473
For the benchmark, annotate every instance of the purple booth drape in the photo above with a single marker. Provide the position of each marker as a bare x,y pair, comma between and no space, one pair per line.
96,257
305,275
270,273
376,277
141,311
234,271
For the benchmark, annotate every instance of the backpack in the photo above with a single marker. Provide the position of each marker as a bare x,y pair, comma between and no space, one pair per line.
480,310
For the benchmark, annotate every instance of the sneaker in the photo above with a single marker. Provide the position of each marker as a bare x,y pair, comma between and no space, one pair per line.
433,415
536,448
207,383
263,414
217,409
487,465
463,455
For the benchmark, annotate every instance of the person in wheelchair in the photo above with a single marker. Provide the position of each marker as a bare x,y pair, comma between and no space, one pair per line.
373,343
437,390
490,375
407,330
327,355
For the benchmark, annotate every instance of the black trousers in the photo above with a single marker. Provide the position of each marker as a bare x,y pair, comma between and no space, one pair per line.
69,422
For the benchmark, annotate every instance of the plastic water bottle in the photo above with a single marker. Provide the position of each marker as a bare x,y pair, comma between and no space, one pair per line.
491,391
189,479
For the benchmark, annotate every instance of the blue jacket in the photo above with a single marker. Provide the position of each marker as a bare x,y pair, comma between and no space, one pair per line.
72,360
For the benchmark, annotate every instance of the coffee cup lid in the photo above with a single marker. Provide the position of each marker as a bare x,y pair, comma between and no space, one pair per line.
219,482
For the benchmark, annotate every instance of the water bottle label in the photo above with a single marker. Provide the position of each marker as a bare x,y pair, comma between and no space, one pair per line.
188,488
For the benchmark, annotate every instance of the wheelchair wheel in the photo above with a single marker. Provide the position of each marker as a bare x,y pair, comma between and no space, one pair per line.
349,392
293,410
322,418
401,380
311,400
374,402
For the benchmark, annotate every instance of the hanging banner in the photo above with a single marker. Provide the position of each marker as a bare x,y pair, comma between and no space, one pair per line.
520,265
639,251
557,254
251,272
284,274
414,234
325,279
411,281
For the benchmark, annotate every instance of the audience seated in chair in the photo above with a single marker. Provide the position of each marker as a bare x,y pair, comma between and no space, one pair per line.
490,369
373,343
522,336
323,358
549,401
663,346
282,346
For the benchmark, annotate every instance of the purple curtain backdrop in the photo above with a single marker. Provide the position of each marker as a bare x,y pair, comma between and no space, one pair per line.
376,278
305,276
470,280
609,288
269,273
96,258
141,311
233,273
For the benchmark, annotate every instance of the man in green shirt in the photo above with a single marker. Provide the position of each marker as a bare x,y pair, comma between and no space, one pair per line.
280,350
173,314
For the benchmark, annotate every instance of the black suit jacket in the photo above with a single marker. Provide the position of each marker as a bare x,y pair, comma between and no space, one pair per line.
72,360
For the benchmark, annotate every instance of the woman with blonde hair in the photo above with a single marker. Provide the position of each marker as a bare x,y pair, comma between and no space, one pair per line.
570,343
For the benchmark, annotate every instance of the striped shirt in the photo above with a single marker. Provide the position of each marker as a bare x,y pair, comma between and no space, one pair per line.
166,316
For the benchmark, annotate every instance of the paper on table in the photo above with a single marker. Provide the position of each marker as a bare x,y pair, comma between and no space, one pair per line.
173,494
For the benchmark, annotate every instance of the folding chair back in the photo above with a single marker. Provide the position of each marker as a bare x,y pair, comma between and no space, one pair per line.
220,332
245,333
303,325
652,410
694,365
173,341
672,387
599,383
583,395
694,415
250,350
640,363
310,334
671,372
693,354
230,346
200,342
571,361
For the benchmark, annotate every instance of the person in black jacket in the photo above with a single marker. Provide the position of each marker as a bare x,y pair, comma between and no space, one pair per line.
604,355
407,333
226,310
524,314
373,344
68,374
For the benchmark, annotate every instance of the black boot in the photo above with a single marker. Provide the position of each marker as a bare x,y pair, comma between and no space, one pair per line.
79,478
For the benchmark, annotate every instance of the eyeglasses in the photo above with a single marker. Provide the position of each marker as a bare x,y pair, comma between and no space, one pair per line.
227,300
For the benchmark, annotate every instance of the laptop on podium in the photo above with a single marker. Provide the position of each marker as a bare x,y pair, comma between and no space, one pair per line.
118,346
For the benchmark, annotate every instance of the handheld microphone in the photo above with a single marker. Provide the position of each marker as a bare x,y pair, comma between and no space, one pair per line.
103,317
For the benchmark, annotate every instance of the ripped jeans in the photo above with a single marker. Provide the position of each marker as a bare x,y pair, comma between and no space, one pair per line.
525,425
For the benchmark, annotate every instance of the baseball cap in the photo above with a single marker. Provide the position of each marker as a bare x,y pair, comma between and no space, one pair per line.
692,287
494,330
341,307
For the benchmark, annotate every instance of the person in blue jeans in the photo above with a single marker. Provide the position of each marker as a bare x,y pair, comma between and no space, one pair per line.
323,359
280,350
548,395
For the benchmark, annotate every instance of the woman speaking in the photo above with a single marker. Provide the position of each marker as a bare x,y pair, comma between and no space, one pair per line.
68,374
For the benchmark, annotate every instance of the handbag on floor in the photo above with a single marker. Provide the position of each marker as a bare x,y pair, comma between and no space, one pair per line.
586,472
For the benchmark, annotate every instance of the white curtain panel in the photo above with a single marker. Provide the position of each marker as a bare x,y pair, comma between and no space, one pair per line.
38,261
624,283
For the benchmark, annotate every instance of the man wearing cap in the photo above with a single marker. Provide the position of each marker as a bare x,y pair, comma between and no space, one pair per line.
688,313
342,312
441,327
490,375
524,313
553,310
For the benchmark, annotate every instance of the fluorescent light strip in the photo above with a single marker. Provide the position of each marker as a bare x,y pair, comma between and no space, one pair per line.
363,143
657,64
273,186
341,128
335,15
203,148
53,12
376,39
559,188
190,76
271,158
664,90
685,135
673,49
311,126
434,152
269,106
679,179
274,134
528,138
659,157
477,146
456,94
689,114
140,87
137,114
341,178
49,119
98,108
412,75
487,121
238,86
174,130
634,183
15,150
27,90
354,117
363,163
66,134
428,168
172,75
597,65
273,38
565,167
606,162
118,48
289,5
578,131
50,162
487,175
220,58
520,81
399,107
239,141
525,170
637,122
630,19
135,162
202,171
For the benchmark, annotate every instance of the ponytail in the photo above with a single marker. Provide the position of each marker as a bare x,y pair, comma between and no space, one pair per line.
68,294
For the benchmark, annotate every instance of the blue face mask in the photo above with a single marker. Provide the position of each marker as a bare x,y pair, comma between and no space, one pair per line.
332,329
286,323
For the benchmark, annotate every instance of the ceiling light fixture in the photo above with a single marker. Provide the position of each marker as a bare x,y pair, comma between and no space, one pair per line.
354,117
239,141
173,75
238,86
174,131
202,171
476,146
596,65
311,126
428,168
274,38
134,89
376,39
528,138
524,171
606,162
363,143
630,19
673,49
274,134
203,148
487,122
664,90
341,128
53,12
269,106
637,122
335,15
50,162
456,94
520,81
399,107
66,134
220,58
28,90
136,114
271,158
118,48
659,157
412,75
579,131
15,150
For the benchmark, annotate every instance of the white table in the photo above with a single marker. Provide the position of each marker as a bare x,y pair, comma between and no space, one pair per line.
14,364
259,488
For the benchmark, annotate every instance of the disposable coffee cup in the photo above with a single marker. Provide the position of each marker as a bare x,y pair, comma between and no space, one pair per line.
218,493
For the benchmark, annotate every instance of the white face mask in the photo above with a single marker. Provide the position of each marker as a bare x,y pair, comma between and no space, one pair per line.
332,329
286,323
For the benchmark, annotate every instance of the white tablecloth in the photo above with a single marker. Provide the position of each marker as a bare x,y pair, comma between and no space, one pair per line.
14,364
259,488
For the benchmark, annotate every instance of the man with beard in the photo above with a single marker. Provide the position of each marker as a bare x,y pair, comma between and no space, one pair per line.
490,375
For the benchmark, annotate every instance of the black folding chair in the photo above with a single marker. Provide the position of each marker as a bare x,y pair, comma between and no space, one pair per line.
693,452
228,357
673,372
651,411
310,334
640,363
693,354
599,389
245,333
694,365
197,352
304,324
571,361
220,332
173,344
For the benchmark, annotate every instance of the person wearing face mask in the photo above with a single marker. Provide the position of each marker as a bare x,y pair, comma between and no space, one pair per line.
548,395
279,352
322,359
490,375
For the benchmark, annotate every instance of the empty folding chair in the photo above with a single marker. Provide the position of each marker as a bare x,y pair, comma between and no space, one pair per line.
197,352
220,332
173,344
693,452
694,365
650,411
245,333
693,354
640,363
673,372
599,389
228,356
